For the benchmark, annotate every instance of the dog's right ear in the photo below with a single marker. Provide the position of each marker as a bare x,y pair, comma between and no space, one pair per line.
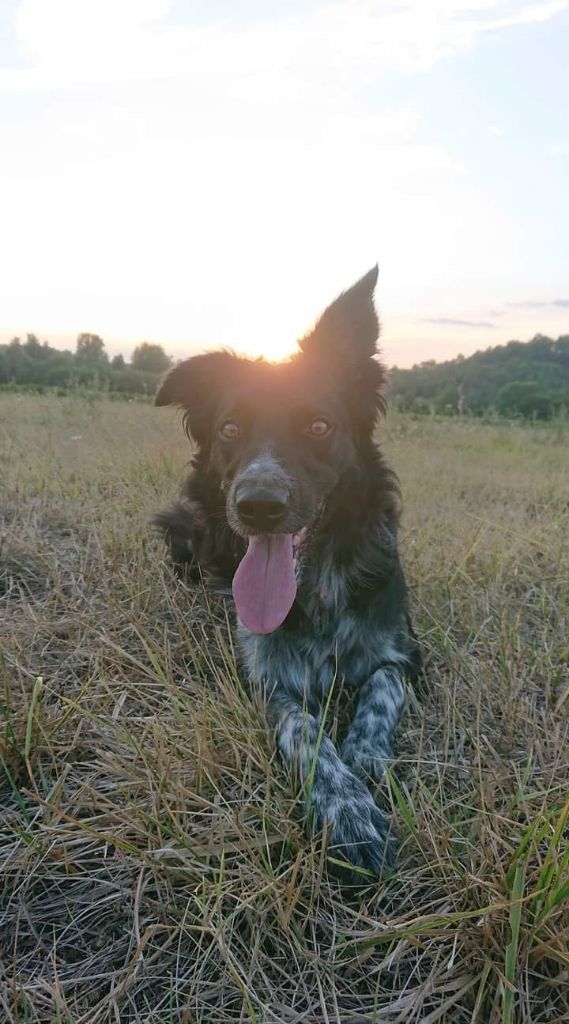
195,386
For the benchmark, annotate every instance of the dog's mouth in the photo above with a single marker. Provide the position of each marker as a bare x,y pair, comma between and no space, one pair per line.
265,584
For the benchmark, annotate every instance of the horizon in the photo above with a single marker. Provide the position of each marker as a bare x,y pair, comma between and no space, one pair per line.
196,177
112,352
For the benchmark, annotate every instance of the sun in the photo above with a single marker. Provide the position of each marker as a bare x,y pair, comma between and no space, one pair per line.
273,350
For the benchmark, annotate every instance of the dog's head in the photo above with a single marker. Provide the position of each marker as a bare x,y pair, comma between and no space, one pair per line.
279,436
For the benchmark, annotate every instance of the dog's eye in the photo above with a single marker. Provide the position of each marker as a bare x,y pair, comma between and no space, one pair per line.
319,427
229,430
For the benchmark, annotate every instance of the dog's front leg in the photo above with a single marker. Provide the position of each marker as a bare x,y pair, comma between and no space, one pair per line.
367,747
177,526
334,797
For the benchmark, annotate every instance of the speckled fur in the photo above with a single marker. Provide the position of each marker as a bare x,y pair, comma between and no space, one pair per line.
350,621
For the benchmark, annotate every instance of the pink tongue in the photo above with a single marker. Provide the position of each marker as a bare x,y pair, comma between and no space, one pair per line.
264,586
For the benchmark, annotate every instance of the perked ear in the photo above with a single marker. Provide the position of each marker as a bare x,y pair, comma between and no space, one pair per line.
194,385
349,328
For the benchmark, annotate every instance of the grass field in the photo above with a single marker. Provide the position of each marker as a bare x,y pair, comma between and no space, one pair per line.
154,865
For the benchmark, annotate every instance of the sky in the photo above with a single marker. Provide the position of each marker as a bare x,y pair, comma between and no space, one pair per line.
213,172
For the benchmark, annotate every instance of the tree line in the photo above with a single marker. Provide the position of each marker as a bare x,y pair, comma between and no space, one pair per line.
37,365
524,379
521,379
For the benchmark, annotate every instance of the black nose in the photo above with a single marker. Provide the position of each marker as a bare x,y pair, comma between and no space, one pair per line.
261,509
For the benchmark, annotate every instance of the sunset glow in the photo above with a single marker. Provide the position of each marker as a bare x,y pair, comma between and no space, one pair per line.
274,351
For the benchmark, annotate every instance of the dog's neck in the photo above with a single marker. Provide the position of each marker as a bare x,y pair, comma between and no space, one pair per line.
354,539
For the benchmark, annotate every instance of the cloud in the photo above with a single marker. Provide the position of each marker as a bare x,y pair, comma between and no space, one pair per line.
558,149
324,47
530,304
451,322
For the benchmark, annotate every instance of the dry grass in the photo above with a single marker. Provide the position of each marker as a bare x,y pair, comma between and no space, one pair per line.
154,865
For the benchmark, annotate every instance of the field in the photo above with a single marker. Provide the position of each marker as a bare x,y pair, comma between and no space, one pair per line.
154,865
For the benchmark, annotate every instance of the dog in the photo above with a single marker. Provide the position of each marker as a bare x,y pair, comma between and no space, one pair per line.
290,502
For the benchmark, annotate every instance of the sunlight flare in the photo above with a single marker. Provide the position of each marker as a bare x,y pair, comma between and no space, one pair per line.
274,351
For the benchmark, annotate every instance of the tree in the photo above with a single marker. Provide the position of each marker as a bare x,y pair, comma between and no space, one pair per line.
542,363
18,367
90,349
117,362
151,358
32,347
524,398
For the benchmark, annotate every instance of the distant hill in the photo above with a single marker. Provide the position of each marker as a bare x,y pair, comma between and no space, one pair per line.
528,379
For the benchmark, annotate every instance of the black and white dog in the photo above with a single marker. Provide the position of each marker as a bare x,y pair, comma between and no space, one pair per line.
291,502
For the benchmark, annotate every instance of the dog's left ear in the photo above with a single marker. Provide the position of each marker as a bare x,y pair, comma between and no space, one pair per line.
348,329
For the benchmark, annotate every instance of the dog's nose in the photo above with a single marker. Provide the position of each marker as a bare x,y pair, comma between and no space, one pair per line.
261,509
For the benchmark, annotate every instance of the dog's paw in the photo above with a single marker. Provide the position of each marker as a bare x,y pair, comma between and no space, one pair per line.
361,842
359,849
